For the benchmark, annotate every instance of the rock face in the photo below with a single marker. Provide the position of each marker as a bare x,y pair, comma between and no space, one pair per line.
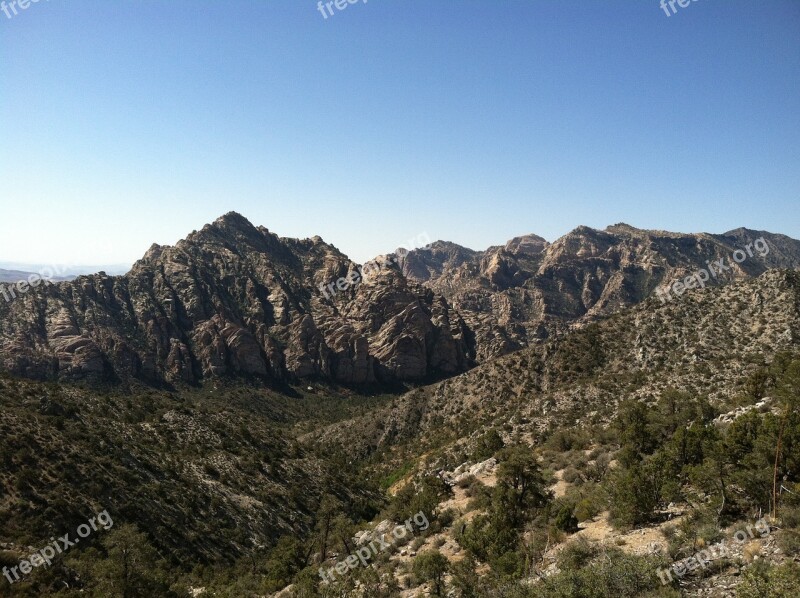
706,344
521,293
465,470
234,299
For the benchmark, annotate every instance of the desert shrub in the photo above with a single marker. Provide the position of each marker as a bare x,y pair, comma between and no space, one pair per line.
635,491
598,468
464,578
610,575
709,533
571,475
568,439
565,519
765,581
789,542
480,496
446,518
466,482
576,554
585,510
487,445
486,538
412,498
510,565
590,500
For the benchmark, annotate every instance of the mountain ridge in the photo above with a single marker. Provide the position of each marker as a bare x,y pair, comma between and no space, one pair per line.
234,299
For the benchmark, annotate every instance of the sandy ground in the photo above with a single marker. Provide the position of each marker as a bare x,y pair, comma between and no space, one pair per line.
559,489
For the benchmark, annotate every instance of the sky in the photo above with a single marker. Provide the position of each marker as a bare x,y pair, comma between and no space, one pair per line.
124,123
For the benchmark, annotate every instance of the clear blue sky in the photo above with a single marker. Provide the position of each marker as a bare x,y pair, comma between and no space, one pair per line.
130,122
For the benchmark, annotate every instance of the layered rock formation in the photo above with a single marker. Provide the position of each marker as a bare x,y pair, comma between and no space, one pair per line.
234,299
518,294
710,344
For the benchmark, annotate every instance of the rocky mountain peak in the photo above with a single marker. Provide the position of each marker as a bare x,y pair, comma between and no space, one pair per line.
233,220
528,244
235,300
623,228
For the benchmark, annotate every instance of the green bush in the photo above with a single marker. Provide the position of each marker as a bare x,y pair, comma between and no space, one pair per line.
764,581
487,445
565,519
612,574
576,554
431,566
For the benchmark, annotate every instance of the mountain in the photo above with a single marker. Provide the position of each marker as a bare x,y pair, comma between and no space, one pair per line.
518,294
626,430
15,271
706,344
235,300
14,276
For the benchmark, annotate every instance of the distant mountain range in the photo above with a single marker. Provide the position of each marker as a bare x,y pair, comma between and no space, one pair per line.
13,272
15,276
522,292
234,299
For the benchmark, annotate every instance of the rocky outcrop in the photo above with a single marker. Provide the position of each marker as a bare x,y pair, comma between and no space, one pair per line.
521,293
467,470
706,344
234,299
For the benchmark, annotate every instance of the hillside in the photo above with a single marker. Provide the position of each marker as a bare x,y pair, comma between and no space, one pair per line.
209,403
523,292
707,343
651,434
210,475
